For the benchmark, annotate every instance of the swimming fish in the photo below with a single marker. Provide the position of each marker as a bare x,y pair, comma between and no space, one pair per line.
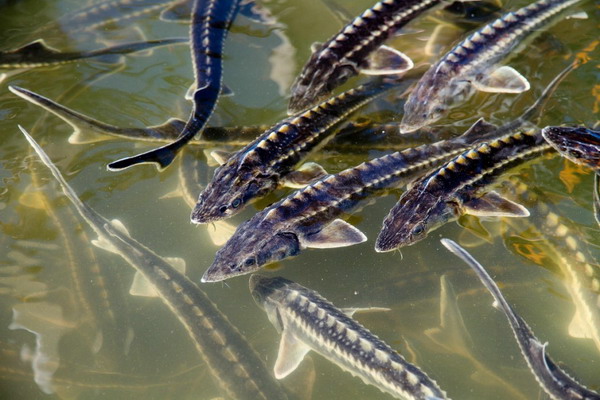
455,189
310,217
263,164
39,54
582,146
472,65
210,23
237,368
356,48
307,322
87,129
549,375
579,144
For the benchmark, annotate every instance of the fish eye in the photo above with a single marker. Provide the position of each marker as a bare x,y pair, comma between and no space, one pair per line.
418,230
249,262
222,209
236,203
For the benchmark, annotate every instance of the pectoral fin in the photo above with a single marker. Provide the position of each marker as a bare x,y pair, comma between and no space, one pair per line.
180,11
338,233
387,61
37,48
491,204
304,175
351,311
220,156
502,80
291,353
142,287
480,128
577,327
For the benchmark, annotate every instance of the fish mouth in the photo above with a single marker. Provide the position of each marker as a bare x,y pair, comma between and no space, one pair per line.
205,216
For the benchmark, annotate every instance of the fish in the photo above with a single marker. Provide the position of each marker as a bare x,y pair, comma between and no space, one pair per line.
38,54
357,48
88,130
210,22
237,368
262,165
307,322
473,65
457,188
100,14
582,146
579,144
553,380
310,217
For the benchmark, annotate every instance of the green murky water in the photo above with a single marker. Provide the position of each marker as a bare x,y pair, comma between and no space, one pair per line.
56,288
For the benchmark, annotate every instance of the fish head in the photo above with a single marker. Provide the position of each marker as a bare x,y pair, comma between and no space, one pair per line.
579,144
231,188
431,101
252,246
266,291
416,213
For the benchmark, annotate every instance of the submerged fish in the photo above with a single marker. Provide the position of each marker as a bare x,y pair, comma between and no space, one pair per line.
582,146
87,129
549,375
310,217
307,322
262,165
579,144
472,65
455,189
237,368
39,54
350,51
210,23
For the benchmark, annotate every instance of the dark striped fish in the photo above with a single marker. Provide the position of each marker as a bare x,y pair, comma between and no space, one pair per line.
210,23
455,189
259,167
310,217
582,146
472,65
307,322
237,368
579,144
350,51
549,375
39,54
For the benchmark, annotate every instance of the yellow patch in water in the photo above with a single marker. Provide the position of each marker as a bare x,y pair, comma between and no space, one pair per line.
570,175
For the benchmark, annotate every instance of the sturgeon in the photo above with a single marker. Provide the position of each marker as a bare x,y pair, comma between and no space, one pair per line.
349,51
262,165
307,322
582,146
549,375
456,188
209,25
39,54
237,368
472,65
310,217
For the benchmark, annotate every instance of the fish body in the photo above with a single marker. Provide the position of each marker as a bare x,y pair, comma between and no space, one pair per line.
39,54
261,166
307,322
209,26
346,53
454,189
468,66
579,144
310,216
549,375
237,368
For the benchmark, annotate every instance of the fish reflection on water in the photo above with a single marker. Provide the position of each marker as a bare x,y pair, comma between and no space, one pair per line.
75,332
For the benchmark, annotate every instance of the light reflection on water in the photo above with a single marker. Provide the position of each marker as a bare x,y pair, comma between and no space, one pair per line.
49,270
